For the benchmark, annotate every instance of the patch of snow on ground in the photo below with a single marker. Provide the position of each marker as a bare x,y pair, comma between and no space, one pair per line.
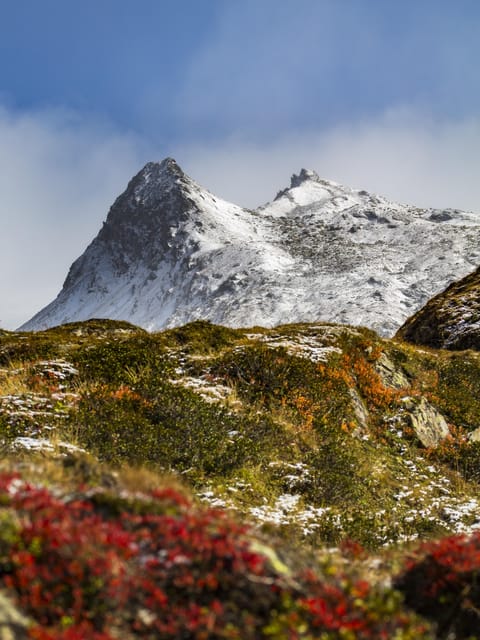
303,346
38,413
213,500
41,444
210,391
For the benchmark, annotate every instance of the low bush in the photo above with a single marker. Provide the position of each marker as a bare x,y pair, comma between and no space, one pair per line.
10,429
200,336
442,583
18,348
113,361
179,571
336,477
163,424
273,377
458,390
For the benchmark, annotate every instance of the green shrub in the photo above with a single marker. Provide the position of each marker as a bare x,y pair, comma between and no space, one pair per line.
161,423
21,347
336,476
11,428
201,336
113,361
265,374
458,389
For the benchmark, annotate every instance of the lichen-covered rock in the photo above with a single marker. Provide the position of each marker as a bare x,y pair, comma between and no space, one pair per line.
391,375
474,436
360,410
428,423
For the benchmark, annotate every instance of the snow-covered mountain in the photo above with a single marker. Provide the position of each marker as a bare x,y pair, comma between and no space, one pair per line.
171,252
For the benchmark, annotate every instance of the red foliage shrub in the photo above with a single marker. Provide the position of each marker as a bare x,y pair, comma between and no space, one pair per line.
442,583
158,566
351,548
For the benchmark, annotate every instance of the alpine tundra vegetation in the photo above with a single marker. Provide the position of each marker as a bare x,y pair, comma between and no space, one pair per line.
305,481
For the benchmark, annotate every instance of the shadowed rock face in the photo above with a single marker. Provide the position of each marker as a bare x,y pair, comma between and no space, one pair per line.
450,320
171,252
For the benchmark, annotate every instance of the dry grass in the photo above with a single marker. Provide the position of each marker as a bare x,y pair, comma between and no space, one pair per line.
145,480
14,379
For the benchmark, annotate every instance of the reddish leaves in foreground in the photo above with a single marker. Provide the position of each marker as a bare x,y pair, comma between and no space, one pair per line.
443,583
158,566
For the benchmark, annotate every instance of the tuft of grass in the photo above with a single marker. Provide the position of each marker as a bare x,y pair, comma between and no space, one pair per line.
201,337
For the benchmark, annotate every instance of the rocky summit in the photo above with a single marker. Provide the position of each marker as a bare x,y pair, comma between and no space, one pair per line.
171,252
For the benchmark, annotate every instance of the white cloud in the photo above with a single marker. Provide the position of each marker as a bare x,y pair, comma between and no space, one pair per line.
402,155
58,176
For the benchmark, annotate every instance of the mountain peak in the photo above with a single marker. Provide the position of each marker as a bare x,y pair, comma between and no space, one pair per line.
305,175
160,173
157,196
154,183
312,187
167,167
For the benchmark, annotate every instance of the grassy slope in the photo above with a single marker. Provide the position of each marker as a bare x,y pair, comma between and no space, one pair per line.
302,430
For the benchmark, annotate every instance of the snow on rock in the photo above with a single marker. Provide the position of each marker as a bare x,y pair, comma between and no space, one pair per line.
41,444
171,252
310,347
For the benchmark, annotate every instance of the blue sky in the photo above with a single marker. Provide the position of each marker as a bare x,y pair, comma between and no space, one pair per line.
375,93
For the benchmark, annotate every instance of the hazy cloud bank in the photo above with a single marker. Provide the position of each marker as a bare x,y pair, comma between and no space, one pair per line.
276,66
402,155
58,176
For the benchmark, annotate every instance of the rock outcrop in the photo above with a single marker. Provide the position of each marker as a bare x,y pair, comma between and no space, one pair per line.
450,320
428,423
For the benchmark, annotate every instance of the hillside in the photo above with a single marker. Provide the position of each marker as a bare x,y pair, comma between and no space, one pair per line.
450,320
171,252
301,438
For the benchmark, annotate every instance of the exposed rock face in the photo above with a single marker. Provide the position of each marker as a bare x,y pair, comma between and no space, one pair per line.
171,252
428,423
474,436
360,411
450,320
391,375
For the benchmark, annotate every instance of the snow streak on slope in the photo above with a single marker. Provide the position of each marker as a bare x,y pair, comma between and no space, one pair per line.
171,252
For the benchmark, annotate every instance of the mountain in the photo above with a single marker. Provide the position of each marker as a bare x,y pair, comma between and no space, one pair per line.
171,252
450,320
